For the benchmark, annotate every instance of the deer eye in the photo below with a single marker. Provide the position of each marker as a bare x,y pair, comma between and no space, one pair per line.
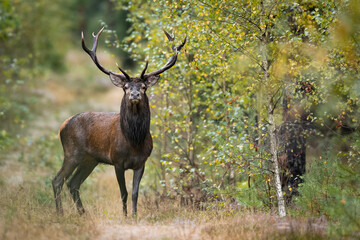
126,86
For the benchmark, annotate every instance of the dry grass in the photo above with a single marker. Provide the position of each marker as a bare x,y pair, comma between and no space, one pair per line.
28,212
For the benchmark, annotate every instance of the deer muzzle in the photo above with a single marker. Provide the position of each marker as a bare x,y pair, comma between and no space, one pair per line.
135,97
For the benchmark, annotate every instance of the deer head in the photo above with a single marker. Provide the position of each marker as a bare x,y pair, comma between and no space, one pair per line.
134,87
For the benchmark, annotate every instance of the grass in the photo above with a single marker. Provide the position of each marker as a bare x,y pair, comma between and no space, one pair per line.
28,212
27,208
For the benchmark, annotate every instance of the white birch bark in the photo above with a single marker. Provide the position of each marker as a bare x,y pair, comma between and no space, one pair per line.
274,159
271,120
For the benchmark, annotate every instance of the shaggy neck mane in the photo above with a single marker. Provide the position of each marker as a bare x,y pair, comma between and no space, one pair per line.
135,120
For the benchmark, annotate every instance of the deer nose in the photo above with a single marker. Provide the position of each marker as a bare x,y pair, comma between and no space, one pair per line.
134,95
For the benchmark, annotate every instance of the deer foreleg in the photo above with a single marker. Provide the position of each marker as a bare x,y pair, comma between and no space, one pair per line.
120,175
136,182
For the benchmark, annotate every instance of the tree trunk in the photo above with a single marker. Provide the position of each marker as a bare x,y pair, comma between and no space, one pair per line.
275,163
271,107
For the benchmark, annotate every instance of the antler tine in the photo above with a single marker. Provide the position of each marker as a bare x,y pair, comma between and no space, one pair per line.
93,56
144,70
123,72
169,37
92,52
182,45
172,59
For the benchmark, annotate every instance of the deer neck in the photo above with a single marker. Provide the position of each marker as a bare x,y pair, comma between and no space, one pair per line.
135,120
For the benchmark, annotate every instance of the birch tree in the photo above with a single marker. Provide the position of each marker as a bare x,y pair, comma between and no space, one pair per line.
242,56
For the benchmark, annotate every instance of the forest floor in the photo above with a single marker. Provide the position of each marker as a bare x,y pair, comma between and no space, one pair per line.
27,208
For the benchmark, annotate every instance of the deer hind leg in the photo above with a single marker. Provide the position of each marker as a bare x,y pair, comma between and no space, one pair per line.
82,172
66,170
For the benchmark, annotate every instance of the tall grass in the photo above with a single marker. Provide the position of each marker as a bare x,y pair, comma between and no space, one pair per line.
28,212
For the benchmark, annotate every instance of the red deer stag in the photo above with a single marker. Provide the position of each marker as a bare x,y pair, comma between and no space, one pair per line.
120,139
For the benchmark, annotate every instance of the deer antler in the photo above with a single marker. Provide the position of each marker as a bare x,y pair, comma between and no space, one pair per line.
171,61
124,76
92,54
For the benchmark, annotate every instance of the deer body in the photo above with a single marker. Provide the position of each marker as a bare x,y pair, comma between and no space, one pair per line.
119,139
98,135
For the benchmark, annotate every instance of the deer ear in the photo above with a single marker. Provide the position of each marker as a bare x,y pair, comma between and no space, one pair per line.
152,80
118,80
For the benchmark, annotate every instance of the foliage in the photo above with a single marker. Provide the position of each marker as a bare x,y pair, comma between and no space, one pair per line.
34,37
28,47
331,190
243,59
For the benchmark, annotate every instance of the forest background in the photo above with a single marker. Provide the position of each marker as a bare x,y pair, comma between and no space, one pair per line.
258,119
